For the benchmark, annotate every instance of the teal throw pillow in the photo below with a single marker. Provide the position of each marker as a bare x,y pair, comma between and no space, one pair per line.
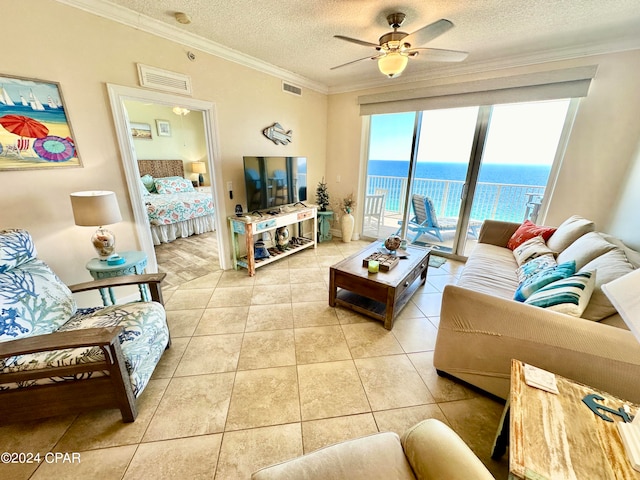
544,277
149,183
570,295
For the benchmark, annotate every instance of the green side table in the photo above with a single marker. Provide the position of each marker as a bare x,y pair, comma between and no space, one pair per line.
135,263
324,226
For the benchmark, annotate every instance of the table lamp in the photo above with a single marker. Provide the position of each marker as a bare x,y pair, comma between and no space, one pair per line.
95,209
199,168
623,294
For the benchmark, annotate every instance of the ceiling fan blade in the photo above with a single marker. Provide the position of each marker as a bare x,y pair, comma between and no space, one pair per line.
374,57
428,33
355,40
439,55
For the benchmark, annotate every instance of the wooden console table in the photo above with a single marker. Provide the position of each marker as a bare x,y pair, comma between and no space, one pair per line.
380,295
558,436
251,225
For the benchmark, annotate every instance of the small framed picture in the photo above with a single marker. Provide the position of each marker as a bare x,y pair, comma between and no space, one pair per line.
164,128
141,130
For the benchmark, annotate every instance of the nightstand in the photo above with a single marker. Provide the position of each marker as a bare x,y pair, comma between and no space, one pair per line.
135,263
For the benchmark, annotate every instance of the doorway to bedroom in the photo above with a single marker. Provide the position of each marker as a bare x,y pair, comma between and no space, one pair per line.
172,143
163,136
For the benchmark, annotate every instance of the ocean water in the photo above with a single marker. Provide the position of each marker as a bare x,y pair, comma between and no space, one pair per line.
492,199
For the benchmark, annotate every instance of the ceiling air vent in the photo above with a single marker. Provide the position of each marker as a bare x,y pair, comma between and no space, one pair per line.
292,89
165,80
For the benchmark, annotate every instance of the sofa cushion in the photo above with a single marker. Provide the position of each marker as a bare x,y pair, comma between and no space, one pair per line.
527,231
611,265
585,249
569,231
33,301
543,278
534,266
532,248
569,295
492,270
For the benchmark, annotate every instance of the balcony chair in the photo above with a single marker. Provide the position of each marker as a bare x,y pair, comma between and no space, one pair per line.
426,221
428,451
374,211
56,358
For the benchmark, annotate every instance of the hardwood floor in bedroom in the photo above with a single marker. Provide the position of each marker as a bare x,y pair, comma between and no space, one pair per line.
188,258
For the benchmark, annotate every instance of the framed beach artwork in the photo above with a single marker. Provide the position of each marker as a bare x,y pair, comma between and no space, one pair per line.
141,130
164,128
35,132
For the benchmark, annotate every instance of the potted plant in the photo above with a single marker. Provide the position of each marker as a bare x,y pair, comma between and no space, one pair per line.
322,195
347,221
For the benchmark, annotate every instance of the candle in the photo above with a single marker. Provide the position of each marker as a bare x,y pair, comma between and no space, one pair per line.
374,266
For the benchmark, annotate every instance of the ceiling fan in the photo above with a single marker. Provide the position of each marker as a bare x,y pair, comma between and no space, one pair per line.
395,48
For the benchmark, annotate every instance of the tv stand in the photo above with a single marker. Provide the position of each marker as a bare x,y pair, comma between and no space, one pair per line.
251,225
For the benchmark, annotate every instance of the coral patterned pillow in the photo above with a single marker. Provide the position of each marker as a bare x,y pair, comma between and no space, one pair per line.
527,231
173,185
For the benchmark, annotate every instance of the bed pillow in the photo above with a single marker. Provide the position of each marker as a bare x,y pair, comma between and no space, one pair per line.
529,230
149,183
534,266
568,232
543,278
173,185
532,248
570,295
143,188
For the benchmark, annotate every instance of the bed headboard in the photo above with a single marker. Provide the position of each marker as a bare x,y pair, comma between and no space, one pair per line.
161,168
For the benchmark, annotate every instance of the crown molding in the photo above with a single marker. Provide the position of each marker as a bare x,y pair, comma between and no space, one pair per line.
147,24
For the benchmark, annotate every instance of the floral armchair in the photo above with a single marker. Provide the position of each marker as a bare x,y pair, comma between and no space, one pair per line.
56,358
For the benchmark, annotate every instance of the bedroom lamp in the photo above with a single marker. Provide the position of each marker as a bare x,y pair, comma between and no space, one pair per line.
95,209
199,168
623,294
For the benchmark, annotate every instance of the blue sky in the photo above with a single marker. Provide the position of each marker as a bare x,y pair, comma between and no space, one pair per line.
518,134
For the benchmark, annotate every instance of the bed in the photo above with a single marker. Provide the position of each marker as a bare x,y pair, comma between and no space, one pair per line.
174,208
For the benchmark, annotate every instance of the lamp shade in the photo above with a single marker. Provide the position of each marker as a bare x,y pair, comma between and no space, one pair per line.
393,64
198,167
95,208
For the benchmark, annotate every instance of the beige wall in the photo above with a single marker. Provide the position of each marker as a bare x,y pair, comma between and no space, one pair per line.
83,52
602,151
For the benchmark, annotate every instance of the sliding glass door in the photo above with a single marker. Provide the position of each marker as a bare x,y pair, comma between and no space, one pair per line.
442,172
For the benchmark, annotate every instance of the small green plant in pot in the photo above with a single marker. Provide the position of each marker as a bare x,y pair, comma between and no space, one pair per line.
322,195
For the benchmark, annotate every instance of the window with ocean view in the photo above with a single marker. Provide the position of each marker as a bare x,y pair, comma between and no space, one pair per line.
471,164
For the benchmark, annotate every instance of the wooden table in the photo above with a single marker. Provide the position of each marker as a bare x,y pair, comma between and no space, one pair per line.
379,295
558,436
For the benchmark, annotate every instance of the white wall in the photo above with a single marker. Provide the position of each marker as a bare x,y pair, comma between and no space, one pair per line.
83,52
600,156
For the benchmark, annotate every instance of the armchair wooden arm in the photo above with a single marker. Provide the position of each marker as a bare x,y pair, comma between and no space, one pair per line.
112,390
153,280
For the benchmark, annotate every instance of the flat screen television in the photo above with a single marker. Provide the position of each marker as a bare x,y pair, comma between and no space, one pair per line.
274,181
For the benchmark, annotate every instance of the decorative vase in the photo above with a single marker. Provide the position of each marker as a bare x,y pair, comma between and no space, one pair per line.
346,224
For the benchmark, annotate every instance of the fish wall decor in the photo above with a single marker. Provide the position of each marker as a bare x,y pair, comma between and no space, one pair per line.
277,134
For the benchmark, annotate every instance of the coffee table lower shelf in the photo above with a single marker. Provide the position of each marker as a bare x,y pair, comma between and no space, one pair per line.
373,308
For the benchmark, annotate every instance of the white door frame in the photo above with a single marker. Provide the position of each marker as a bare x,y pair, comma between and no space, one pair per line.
118,95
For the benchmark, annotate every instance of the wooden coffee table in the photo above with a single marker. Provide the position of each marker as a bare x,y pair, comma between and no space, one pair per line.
558,436
379,295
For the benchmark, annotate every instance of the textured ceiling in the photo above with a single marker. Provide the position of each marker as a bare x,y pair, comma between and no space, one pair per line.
297,35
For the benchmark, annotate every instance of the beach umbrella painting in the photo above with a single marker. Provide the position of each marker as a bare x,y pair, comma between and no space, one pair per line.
54,149
23,126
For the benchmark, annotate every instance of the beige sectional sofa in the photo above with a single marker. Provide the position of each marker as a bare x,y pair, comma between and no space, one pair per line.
482,328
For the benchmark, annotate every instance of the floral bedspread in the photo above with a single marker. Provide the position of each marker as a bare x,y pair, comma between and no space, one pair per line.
165,209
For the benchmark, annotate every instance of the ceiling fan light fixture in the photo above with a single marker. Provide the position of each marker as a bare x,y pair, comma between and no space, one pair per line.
392,64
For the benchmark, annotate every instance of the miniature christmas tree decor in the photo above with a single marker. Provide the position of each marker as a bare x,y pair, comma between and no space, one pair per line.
322,195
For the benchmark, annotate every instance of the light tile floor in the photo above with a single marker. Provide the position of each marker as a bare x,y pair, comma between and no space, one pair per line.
261,370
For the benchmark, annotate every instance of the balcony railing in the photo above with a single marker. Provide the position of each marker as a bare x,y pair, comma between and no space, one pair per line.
497,201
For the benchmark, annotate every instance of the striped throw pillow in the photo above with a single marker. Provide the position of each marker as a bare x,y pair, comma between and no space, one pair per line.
570,295
544,278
